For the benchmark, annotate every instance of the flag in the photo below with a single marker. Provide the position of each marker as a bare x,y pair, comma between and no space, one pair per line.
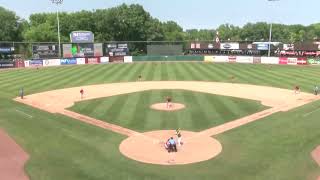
217,38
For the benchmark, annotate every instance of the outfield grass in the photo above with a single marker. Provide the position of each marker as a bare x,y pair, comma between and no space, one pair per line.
277,147
202,110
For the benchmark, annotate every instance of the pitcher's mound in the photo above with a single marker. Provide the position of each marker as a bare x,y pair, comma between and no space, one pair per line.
164,107
149,148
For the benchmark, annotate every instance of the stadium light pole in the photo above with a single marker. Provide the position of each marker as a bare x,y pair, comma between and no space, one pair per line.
58,2
270,32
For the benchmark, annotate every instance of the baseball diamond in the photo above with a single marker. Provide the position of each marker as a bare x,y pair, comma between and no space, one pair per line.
116,90
281,114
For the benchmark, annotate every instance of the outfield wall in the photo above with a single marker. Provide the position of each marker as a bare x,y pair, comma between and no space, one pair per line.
167,58
130,59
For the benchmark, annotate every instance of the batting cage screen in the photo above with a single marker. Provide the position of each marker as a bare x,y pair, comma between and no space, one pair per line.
165,50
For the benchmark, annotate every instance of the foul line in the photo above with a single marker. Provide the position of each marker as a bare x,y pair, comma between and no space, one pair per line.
307,114
26,114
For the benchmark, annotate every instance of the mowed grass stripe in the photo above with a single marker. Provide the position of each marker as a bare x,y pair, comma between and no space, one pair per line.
164,71
194,75
106,76
253,75
185,73
138,120
180,76
200,75
32,84
209,76
150,73
38,76
15,75
196,112
114,111
97,71
128,109
152,116
99,78
300,76
134,72
218,71
171,73
225,69
118,75
167,119
66,78
157,73
239,75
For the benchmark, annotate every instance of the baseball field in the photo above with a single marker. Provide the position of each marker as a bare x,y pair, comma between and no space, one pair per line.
263,129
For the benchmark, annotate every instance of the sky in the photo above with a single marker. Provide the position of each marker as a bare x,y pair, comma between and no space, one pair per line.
191,14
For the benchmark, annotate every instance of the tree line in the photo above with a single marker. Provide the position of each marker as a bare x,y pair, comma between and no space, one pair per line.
133,23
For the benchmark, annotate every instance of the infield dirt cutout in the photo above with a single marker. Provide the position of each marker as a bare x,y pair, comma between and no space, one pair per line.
149,147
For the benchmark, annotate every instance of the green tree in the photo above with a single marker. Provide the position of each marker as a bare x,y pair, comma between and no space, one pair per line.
11,26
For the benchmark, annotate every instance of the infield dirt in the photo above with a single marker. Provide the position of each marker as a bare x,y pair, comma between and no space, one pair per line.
152,150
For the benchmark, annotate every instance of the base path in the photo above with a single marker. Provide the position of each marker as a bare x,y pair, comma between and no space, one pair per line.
12,159
152,150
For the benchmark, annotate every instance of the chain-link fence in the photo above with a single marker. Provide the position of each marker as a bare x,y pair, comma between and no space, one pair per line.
47,50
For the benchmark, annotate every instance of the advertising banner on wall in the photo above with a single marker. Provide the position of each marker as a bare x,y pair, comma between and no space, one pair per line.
51,62
220,59
81,60
302,61
127,59
229,46
256,60
92,60
83,50
81,37
45,51
288,47
27,63
232,59
262,46
117,49
314,61
292,61
67,50
104,60
244,59
209,58
6,50
283,60
98,49
269,60
7,64
19,63
36,63
71,61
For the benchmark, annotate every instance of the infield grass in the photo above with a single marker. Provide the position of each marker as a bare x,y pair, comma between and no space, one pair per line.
277,147
202,110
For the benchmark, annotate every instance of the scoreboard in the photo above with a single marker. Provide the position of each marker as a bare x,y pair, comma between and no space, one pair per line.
45,51
82,50
117,49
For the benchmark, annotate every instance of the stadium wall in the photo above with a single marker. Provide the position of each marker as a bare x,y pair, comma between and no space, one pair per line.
131,59
167,58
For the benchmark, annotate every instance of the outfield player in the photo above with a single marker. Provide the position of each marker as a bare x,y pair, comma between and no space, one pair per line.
316,90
